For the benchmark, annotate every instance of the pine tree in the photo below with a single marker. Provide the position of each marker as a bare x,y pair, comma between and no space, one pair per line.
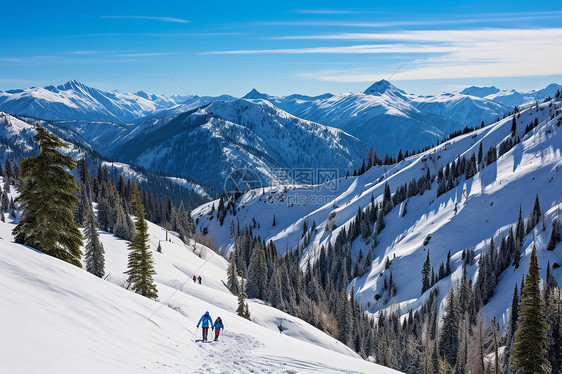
517,254
554,312
513,127
554,235
94,249
121,229
49,202
242,309
257,273
530,340
232,280
449,337
140,265
480,153
426,271
535,216
520,228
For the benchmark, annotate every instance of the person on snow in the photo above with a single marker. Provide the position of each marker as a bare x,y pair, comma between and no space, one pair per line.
194,278
199,279
205,321
218,326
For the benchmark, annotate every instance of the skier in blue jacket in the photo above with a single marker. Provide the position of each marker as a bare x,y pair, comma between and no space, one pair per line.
205,320
218,326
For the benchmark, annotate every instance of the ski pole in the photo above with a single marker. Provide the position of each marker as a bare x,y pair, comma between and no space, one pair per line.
195,333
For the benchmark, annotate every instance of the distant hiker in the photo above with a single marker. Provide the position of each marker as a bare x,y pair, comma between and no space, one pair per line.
194,279
199,279
218,325
206,321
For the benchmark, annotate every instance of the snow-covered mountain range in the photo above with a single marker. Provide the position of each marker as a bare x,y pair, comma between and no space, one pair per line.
259,132
382,116
76,101
512,97
210,143
388,118
478,205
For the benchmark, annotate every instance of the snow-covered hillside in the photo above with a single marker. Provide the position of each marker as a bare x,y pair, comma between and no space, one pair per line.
76,101
16,142
388,118
57,318
467,216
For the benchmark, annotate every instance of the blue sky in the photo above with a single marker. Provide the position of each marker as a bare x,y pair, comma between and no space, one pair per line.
281,47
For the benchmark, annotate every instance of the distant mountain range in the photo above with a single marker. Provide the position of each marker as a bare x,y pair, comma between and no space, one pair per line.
211,142
512,97
206,138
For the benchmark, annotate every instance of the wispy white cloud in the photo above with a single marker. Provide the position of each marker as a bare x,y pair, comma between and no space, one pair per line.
470,19
94,52
472,54
354,49
442,53
162,19
329,11
439,36
161,35
145,54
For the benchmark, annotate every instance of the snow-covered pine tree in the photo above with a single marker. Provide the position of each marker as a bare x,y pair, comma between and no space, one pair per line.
554,235
95,260
121,229
535,216
49,201
480,153
140,264
529,347
517,254
232,280
554,319
426,271
449,334
242,309
257,273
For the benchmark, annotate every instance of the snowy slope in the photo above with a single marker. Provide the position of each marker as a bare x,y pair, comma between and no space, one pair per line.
464,217
388,118
57,318
76,101
16,142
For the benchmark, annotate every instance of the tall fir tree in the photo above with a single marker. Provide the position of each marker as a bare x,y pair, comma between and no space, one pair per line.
232,280
426,270
140,264
242,309
122,229
49,200
95,260
529,348
554,235
449,334
257,273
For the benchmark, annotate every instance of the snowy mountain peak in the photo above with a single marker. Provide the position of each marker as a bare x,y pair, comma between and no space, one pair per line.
381,87
255,94
480,91
73,85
